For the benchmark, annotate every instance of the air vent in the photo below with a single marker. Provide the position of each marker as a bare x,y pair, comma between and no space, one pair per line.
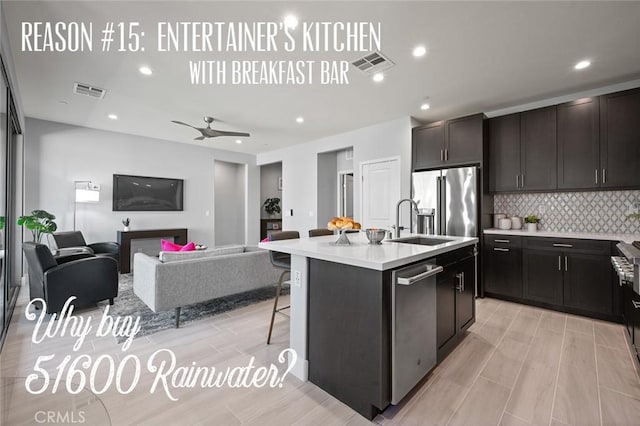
88,90
373,63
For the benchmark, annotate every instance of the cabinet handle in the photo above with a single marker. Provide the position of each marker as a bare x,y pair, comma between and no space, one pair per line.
522,181
442,155
459,287
636,304
604,175
566,267
500,249
463,280
517,181
596,176
501,241
559,263
446,154
563,245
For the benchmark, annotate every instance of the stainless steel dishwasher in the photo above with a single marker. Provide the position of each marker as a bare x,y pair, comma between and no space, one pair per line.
413,326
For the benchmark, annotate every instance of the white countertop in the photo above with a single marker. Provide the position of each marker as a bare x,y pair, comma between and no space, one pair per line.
360,253
627,238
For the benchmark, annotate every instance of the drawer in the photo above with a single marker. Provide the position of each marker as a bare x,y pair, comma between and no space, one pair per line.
504,241
567,244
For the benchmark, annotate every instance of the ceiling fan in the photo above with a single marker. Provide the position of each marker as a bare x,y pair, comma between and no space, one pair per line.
208,132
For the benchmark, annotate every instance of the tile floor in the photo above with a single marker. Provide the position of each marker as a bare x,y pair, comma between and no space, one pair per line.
518,365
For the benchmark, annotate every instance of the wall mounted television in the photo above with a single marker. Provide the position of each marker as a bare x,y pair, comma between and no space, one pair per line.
143,193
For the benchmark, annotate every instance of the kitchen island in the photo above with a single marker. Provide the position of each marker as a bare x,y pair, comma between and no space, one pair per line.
363,329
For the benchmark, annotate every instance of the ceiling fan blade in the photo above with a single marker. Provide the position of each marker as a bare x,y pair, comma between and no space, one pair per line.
184,124
224,133
199,138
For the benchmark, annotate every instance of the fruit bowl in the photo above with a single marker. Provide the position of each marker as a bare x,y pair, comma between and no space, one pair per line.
375,236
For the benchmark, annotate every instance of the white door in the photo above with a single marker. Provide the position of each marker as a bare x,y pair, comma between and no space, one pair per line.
380,193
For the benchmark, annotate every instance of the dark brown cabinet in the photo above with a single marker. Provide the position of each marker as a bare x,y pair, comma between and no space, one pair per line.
455,298
570,275
538,149
631,317
504,153
448,143
542,276
503,266
620,139
590,143
579,144
464,138
587,282
465,294
522,151
428,145
446,311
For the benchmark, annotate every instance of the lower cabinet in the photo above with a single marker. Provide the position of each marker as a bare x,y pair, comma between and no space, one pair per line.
542,276
564,274
631,317
455,297
587,282
503,266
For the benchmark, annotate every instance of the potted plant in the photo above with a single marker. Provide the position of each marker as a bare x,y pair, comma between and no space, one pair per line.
39,222
272,206
532,222
126,222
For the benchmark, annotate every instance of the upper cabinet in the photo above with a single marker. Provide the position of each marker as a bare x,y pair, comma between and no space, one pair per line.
504,153
591,143
428,145
538,149
448,143
522,151
464,140
579,144
620,139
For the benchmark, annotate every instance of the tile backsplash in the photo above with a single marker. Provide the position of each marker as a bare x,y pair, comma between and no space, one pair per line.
598,211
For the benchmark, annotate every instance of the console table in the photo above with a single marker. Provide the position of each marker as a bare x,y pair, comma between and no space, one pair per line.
125,237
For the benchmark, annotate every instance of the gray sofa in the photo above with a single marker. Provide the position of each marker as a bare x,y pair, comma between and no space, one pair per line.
177,279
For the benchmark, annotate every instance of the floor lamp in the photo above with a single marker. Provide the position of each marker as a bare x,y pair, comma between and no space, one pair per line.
85,192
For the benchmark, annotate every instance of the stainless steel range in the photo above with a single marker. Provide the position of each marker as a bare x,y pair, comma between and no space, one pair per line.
628,267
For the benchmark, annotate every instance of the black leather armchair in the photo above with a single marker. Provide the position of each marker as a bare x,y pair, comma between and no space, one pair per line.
75,239
88,277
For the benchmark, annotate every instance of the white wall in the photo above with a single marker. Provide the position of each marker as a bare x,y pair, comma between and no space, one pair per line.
58,154
327,188
299,167
229,200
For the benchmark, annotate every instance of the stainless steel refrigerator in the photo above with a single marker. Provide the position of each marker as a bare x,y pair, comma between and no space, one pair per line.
447,201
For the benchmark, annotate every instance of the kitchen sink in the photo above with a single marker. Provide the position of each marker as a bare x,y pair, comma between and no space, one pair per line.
423,241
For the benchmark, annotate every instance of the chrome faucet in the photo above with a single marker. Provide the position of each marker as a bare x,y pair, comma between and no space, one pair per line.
415,207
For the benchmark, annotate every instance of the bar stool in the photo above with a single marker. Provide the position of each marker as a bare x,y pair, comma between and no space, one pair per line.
280,261
320,232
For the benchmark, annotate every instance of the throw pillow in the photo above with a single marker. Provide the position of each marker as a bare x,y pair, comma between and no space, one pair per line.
189,247
169,246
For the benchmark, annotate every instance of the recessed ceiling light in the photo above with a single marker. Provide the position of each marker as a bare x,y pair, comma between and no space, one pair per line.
145,70
582,65
419,51
112,116
425,106
238,141
378,77
290,21
300,120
